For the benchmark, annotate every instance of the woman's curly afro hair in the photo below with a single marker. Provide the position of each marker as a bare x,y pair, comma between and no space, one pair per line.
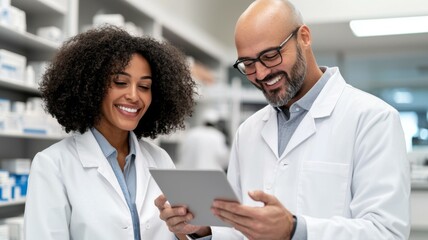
76,82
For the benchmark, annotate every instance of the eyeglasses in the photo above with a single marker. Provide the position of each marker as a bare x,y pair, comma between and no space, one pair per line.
269,58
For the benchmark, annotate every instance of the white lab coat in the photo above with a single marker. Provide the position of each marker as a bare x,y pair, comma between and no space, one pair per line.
203,147
74,194
344,169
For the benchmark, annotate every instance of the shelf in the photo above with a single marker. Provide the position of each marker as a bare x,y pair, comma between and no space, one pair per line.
420,186
128,10
12,84
27,40
32,136
12,203
189,39
40,6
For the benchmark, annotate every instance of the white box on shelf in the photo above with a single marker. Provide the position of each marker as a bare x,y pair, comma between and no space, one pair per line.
17,19
35,105
30,76
34,124
4,111
51,33
4,3
16,227
113,19
16,165
4,106
4,176
53,127
4,232
12,65
39,69
133,29
12,123
18,107
4,12
5,186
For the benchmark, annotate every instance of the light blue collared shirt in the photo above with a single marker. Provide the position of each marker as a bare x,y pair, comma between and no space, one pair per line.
127,179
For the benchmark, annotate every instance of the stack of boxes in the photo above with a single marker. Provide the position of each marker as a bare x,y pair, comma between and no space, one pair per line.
27,118
14,179
12,228
12,17
13,187
12,66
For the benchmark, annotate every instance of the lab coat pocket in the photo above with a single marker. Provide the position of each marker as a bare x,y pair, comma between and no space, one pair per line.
322,188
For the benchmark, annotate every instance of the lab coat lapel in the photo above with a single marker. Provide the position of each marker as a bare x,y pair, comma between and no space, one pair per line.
143,161
322,107
270,130
91,156
305,129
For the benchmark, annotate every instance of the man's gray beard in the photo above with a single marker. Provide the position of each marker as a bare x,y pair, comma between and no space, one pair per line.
298,73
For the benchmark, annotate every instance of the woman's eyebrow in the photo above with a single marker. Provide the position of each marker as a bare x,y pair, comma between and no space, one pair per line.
129,75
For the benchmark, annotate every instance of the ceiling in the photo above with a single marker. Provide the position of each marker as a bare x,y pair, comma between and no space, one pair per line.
339,37
330,28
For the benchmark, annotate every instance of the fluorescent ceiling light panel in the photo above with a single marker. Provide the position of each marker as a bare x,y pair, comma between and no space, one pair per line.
389,26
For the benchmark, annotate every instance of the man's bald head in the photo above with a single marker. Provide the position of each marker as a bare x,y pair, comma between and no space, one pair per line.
269,17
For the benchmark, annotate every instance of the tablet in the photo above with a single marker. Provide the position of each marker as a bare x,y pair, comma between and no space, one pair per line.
196,189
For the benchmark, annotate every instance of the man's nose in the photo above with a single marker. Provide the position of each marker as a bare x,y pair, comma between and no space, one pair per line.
261,70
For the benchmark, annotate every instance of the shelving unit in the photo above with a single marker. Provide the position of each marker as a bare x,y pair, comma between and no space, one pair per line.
39,13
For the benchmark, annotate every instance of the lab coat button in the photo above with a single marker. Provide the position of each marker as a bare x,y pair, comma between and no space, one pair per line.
147,226
268,186
125,227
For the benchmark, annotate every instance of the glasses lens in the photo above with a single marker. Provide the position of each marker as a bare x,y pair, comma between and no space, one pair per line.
246,67
271,58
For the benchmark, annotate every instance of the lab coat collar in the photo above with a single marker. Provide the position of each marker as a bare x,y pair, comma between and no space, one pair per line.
90,153
324,104
328,97
322,107
91,156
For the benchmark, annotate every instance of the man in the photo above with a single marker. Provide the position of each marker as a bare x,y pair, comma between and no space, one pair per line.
322,161
204,146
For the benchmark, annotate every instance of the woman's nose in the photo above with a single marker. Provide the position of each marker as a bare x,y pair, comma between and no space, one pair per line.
131,93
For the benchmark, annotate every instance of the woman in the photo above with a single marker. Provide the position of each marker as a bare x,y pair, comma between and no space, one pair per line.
110,89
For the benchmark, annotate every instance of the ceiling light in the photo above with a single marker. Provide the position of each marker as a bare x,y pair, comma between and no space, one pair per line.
389,26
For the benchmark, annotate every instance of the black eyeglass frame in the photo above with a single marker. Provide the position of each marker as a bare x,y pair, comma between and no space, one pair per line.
258,59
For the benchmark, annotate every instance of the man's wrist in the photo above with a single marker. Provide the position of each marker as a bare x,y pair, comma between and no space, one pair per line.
193,236
202,232
293,230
